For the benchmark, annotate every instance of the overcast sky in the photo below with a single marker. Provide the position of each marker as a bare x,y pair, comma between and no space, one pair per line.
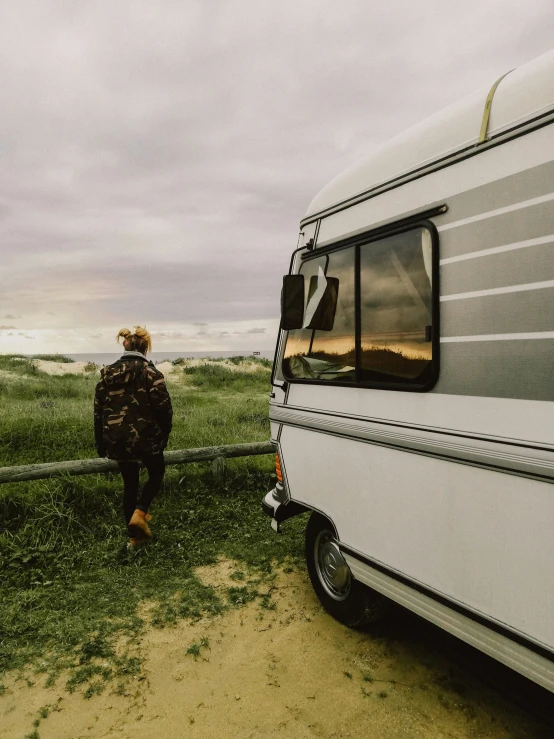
157,157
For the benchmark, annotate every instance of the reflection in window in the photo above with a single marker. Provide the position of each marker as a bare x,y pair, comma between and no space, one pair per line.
326,355
396,308
394,345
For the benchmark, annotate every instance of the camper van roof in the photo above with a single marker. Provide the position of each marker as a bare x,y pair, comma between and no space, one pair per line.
522,95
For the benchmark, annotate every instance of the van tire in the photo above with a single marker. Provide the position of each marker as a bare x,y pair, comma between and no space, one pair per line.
346,599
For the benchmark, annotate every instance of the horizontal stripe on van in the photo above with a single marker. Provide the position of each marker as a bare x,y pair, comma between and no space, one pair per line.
499,269
523,186
499,290
512,457
547,198
509,227
500,249
503,312
497,366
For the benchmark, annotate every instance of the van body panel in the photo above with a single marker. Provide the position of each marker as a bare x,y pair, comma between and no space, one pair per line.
529,421
472,536
526,661
509,369
442,498
504,455
525,93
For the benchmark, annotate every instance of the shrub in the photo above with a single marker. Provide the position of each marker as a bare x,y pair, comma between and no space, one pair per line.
53,358
15,364
216,377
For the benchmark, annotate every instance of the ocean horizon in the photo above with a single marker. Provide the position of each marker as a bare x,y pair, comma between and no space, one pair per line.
102,358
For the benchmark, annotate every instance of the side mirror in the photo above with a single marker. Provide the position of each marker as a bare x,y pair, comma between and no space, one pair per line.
322,304
292,302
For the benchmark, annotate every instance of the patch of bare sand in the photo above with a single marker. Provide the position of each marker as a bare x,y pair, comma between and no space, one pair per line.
166,368
219,575
61,368
292,671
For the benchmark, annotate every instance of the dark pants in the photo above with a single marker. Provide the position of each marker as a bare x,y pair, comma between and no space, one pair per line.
132,498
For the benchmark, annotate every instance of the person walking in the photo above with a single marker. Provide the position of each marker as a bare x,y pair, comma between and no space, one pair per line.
132,422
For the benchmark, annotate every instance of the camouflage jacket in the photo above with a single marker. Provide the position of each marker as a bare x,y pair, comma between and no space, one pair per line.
132,409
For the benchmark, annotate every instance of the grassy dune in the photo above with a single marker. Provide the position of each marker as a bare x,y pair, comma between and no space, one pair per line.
69,586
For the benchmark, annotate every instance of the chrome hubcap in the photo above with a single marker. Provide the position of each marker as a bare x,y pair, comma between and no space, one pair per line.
333,572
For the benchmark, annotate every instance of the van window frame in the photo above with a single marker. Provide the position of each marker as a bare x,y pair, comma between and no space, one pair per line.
357,242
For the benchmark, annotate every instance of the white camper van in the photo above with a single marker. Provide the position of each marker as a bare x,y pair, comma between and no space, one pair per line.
413,388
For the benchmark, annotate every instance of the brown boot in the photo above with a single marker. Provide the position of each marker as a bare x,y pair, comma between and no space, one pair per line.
138,527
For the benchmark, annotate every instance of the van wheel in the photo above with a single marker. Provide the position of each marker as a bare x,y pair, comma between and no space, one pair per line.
343,597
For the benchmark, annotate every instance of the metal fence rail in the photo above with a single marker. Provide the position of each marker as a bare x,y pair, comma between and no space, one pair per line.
92,466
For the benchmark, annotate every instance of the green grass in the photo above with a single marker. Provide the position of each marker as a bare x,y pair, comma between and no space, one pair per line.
195,649
49,418
216,377
71,590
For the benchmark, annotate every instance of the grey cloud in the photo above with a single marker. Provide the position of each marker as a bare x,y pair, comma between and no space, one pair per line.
161,172
172,334
5,328
198,293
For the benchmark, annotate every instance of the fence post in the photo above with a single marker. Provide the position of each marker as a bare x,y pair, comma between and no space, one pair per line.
218,468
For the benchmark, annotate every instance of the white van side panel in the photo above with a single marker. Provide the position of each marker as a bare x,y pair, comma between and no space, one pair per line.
529,421
451,489
480,538
528,663
443,500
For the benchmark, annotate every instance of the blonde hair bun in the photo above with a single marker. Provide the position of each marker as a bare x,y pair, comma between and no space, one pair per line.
123,334
139,341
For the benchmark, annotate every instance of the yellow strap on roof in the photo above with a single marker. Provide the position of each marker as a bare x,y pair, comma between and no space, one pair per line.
488,106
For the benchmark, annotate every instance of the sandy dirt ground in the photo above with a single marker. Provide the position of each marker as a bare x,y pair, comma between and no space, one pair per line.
291,671
60,368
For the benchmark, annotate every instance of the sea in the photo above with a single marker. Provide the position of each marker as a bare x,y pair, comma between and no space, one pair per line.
156,357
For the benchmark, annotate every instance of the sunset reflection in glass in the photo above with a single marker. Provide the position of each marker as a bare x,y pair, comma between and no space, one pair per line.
395,294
